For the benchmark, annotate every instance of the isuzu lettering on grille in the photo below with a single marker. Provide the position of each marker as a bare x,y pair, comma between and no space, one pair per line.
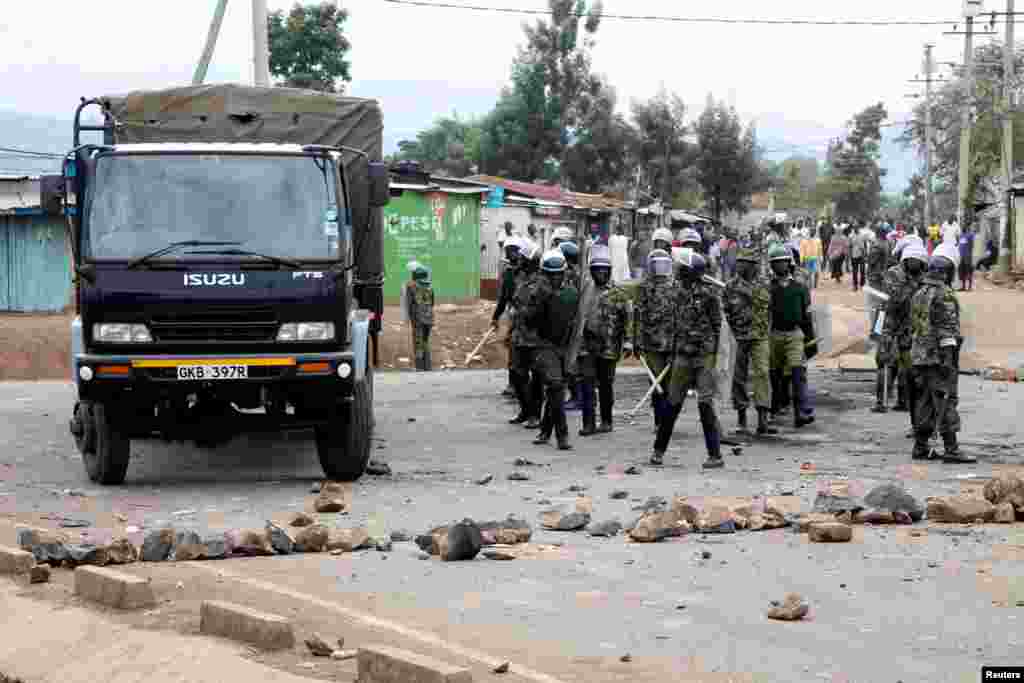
214,279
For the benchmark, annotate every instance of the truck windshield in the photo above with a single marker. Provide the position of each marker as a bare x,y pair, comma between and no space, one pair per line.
284,206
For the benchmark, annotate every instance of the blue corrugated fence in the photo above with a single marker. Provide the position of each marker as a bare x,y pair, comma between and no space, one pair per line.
35,270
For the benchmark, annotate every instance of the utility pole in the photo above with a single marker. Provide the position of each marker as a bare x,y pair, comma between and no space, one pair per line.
1007,242
260,47
211,43
928,135
965,122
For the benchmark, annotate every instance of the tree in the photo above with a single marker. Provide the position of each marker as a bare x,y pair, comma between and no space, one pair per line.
561,45
599,157
308,47
854,176
662,150
727,159
450,146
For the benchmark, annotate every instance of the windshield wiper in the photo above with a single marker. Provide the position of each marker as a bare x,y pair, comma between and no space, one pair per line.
176,245
294,265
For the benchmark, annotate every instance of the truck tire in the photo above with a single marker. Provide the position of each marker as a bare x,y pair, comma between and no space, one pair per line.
107,462
343,445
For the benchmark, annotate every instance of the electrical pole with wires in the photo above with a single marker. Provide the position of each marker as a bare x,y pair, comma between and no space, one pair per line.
1007,241
211,43
260,46
928,66
965,120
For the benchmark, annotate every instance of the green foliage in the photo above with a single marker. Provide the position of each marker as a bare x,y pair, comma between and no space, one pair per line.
661,146
854,178
727,159
308,47
600,154
450,146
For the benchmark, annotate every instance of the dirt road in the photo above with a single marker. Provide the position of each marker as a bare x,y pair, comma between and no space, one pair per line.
935,607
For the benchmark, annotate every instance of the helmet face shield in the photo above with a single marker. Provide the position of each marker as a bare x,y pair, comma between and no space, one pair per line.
659,263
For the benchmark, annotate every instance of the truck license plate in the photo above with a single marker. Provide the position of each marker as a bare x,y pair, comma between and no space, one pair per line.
207,372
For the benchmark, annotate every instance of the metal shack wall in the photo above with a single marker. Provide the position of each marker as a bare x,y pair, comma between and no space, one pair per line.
35,267
441,231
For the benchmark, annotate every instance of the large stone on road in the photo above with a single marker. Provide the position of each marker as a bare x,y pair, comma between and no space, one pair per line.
46,546
655,526
157,545
332,498
894,498
122,551
1005,514
311,539
1007,487
837,499
462,542
509,531
606,529
830,532
348,540
87,553
559,520
280,540
249,542
792,608
960,509
188,546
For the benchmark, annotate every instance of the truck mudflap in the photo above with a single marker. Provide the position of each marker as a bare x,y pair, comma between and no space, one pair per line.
359,333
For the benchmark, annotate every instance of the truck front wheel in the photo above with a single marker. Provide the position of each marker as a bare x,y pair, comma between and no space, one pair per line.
344,443
107,461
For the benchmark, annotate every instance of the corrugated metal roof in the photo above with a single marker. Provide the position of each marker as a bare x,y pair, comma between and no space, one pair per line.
548,192
17,193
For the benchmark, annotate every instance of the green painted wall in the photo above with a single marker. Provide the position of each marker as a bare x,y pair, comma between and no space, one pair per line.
441,231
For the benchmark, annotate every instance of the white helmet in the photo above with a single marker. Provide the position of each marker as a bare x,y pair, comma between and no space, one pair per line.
948,251
915,251
662,235
905,242
563,233
689,235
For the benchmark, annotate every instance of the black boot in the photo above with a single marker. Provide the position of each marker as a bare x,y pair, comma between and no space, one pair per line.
762,423
607,401
712,439
880,392
952,453
561,429
587,408
741,420
547,425
802,414
666,425
922,447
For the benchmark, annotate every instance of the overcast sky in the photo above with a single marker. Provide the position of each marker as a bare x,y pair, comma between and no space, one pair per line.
422,62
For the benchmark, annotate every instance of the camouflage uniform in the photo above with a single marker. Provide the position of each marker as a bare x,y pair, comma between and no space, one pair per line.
525,342
792,331
894,347
695,345
747,308
878,261
603,334
653,328
935,325
421,316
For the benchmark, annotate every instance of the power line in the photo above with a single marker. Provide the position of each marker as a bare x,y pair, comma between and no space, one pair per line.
31,153
687,20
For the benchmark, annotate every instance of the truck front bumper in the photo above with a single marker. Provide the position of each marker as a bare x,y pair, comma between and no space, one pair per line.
110,377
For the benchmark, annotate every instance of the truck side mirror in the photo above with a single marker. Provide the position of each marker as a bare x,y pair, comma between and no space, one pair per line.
51,194
380,184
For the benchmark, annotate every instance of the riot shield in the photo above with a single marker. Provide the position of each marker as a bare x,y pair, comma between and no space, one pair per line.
725,361
822,316
968,329
874,302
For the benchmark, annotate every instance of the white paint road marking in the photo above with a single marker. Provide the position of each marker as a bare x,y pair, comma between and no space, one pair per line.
377,622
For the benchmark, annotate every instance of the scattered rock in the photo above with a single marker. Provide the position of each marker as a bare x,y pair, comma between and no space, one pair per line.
122,551
523,462
1006,488
311,539
157,545
86,553
830,532
633,469
318,646
836,500
894,498
510,531
559,520
652,504
605,529
39,573
494,554
518,476
626,659
331,498
792,608
45,546
501,668
401,536
959,509
619,495
301,519
187,546
249,542
484,481
874,516
1004,514
384,546
342,655
542,501
716,520
655,526
576,488
348,540
216,547
462,542
705,554
378,469
280,540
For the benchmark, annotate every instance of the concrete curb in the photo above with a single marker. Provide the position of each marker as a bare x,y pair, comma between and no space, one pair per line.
113,588
15,561
382,664
268,631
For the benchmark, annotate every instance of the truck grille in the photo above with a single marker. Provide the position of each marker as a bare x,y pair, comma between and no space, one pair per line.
216,325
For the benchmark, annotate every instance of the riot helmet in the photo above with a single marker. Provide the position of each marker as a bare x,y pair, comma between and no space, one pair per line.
692,266
659,263
571,252
600,266
914,259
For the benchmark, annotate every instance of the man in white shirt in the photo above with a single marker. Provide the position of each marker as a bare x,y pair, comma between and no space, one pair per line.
951,231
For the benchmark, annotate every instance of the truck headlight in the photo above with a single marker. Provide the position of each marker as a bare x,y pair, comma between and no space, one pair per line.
306,332
121,333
